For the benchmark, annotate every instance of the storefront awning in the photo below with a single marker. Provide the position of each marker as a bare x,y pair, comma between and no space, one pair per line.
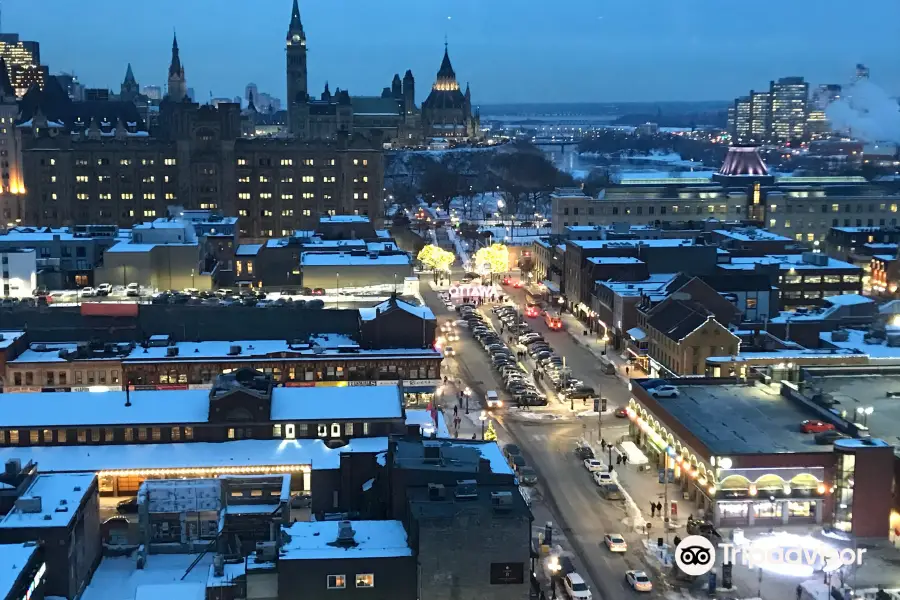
554,289
637,334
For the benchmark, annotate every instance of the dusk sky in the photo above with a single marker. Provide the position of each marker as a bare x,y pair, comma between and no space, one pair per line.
510,51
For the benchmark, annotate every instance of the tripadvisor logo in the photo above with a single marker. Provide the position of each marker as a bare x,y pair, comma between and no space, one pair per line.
695,555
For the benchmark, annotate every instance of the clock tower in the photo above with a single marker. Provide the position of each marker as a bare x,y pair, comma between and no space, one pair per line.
297,96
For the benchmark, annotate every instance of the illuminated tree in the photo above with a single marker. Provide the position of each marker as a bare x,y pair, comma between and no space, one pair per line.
437,259
490,435
492,260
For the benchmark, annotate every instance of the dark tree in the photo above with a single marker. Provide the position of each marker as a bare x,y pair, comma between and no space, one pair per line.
440,185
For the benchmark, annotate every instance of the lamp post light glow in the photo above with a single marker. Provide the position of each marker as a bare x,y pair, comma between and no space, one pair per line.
864,413
483,418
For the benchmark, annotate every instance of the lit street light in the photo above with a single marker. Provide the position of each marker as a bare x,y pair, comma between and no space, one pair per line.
864,413
483,418
554,567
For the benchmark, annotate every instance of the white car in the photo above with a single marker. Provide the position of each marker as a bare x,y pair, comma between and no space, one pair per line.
603,477
462,323
615,542
593,465
493,399
104,289
88,292
638,581
576,587
665,391
449,351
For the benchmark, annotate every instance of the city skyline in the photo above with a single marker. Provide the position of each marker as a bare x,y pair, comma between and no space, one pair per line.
223,49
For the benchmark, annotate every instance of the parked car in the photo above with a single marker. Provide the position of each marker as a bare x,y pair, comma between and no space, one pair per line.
133,290
511,450
615,542
592,464
576,588
584,452
665,391
603,477
814,426
104,289
528,476
128,506
88,292
318,292
611,491
829,437
517,461
638,581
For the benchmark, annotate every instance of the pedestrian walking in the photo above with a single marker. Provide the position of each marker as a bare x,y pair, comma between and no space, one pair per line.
659,508
652,509
626,371
624,459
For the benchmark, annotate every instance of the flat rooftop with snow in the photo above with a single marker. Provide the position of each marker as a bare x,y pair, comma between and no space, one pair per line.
450,455
52,500
741,419
318,540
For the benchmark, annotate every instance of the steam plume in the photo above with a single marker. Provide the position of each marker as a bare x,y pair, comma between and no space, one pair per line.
867,112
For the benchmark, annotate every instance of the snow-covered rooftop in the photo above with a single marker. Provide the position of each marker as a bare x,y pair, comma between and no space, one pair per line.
655,283
316,541
423,419
118,578
344,219
248,250
752,235
848,300
180,590
660,243
231,457
343,259
615,260
877,350
158,407
8,336
369,313
60,495
785,262
13,560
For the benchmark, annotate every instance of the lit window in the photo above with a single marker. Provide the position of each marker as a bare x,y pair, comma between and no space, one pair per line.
243,212
170,196
365,580
308,179
356,195
286,162
169,162
355,161
308,195
322,430
242,161
244,196
263,179
348,429
150,196
287,196
287,213
309,162
337,582
276,430
231,433
149,212
265,196
307,212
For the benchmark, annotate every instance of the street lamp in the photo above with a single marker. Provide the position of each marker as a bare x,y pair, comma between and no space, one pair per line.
554,567
467,392
483,418
864,414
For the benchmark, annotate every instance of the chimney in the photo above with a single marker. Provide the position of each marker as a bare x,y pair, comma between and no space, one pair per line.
484,466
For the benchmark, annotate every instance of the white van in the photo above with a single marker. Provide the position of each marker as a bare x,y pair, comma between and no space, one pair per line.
493,400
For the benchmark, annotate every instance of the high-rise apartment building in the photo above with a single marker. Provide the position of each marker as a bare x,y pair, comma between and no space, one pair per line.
23,62
731,121
742,119
862,72
12,188
790,102
760,115
825,94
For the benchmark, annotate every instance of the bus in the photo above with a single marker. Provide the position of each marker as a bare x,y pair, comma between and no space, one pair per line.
533,305
554,322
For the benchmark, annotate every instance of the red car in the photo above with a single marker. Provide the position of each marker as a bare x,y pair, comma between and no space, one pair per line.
506,281
622,413
811,426
517,284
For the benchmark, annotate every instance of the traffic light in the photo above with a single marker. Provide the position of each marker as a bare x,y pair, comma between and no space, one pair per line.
602,404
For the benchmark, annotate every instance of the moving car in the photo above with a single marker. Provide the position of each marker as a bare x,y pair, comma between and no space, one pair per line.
511,450
592,465
611,491
449,351
814,426
622,413
638,581
576,588
492,399
665,391
615,542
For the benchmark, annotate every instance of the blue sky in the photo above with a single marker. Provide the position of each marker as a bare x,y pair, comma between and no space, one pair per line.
510,51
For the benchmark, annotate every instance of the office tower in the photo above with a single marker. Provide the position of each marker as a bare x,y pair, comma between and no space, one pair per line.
760,115
742,111
23,63
790,100
825,94
862,73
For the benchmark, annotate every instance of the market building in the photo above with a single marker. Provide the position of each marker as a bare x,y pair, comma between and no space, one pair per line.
756,468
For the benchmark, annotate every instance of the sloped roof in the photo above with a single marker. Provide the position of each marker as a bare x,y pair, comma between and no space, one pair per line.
374,105
742,161
678,319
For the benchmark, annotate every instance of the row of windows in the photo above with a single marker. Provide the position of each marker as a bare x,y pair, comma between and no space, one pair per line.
61,378
13,437
290,431
819,279
322,373
288,162
103,162
127,196
883,207
339,582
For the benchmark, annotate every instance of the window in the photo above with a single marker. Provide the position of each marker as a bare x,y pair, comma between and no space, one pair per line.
169,162
276,430
95,435
335,430
188,433
231,433
307,212
129,434
348,429
61,436
287,213
33,436
142,434
322,430
365,580
286,162
82,436
155,434
14,436
287,196
149,212
176,434
337,582
47,435
308,179
751,303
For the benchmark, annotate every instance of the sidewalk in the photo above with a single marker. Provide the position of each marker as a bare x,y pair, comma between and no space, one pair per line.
595,346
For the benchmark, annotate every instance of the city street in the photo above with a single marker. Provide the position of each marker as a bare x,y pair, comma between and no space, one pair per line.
547,436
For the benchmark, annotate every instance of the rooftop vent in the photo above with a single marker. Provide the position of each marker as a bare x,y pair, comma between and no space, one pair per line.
172,351
346,533
431,453
436,491
234,350
466,488
29,504
501,500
